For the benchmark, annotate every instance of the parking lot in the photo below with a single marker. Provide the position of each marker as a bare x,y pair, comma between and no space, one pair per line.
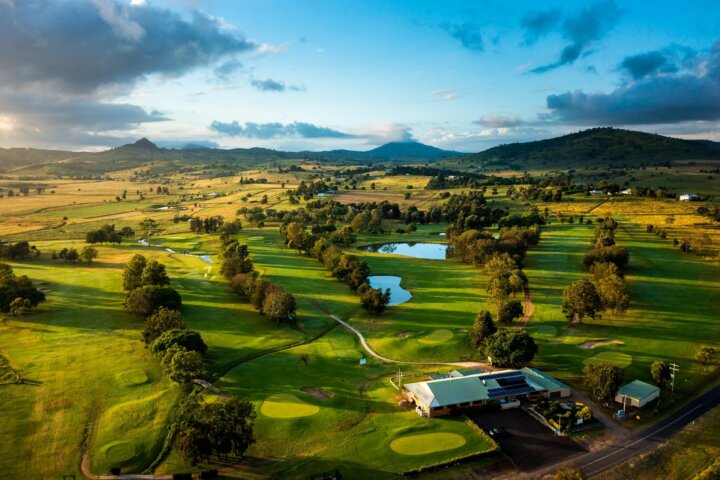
526,441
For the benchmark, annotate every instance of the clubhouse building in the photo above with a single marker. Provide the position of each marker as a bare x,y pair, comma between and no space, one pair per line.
443,394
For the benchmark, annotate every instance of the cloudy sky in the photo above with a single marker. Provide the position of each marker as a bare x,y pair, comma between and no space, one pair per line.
320,74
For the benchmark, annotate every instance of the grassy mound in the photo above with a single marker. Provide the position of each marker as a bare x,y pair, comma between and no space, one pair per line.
438,336
285,405
130,378
426,443
617,358
119,452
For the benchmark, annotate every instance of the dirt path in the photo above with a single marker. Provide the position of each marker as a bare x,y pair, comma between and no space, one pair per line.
528,308
373,353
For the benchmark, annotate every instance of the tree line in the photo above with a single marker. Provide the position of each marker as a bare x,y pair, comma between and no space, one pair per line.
348,269
268,298
606,289
108,234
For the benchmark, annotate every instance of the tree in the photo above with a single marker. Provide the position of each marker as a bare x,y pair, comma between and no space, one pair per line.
72,256
243,284
483,328
148,298
261,289
20,306
188,339
221,428
706,355
604,380
295,236
510,311
148,226
154,274
660,373
613,292
568,473
13,287
160,322
580,300
278,305
182,365
133,273
510,348
374,300
88,254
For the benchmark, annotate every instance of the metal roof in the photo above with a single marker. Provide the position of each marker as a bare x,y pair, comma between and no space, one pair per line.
637,390
464,387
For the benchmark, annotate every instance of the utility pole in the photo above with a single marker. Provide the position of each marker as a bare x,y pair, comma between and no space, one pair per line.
674,368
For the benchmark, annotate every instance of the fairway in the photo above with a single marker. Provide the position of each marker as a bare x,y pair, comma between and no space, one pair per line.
616,358
285,405
438,336
426,443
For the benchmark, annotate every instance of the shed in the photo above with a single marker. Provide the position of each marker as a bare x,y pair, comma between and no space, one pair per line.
637,394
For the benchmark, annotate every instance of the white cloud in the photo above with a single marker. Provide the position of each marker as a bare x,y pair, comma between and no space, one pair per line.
444,94
117,16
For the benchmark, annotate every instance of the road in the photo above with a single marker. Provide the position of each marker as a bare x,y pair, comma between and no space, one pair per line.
596,462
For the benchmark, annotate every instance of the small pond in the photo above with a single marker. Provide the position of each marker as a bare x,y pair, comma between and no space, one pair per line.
429,251
398,294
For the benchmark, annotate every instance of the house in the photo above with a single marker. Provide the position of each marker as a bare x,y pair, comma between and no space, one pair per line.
443,394
688,197
596,192
627,191
637,394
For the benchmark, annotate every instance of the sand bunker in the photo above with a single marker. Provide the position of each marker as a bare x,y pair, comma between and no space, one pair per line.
599,343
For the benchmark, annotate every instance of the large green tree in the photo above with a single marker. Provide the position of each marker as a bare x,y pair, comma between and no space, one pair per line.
483,328
510,348
133,272
604,380
160,322
580,300
660,373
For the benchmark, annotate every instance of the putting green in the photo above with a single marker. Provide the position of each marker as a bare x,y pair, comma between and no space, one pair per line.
617,358
438,336
285,405
255,238
133,377
119,452
426,443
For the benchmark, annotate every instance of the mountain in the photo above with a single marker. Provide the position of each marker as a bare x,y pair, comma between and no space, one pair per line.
595,147
389,152
142,144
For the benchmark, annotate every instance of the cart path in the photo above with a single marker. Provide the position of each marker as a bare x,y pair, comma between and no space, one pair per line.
528,308
373,353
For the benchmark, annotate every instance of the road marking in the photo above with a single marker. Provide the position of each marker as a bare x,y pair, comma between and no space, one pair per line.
645,437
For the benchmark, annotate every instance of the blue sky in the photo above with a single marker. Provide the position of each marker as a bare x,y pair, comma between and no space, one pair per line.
91,74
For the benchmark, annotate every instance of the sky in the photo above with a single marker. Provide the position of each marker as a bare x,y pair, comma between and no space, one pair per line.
326,74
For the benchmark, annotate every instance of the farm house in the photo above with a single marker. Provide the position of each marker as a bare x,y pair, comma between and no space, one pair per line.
637,394
463,389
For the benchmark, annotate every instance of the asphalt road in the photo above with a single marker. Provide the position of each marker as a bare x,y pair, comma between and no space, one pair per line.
595,462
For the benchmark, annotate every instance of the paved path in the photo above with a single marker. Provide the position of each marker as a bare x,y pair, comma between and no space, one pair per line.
373,353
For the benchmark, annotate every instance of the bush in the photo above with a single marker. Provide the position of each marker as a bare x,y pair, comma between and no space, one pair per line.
188,339
145,300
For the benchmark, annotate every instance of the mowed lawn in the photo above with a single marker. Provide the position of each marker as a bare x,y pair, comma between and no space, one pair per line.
86,366
318,409
434,324
675,304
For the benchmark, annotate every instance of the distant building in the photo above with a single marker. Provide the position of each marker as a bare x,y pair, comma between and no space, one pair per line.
627,191
688,197
637,394
462,389
596,192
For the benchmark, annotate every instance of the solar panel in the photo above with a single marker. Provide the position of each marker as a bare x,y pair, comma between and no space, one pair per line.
511,381
506,392
493,376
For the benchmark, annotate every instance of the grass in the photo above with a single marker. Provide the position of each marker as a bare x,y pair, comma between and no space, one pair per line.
694,450
285,405
671,316
426,443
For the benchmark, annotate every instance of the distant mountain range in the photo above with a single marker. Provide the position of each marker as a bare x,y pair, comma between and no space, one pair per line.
599,147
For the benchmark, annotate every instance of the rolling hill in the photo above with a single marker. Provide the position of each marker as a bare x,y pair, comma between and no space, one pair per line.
602,147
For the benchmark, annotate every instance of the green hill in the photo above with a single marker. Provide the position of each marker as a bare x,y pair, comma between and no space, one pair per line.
601,147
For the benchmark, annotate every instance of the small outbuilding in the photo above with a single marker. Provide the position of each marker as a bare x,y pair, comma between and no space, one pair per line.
688,197
637,394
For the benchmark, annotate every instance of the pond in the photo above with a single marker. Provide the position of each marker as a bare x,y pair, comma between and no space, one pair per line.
204,258
398,295
429,251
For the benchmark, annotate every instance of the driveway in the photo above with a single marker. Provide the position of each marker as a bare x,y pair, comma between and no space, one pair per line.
527,442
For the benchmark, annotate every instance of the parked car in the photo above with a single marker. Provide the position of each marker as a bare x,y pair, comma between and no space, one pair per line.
497,432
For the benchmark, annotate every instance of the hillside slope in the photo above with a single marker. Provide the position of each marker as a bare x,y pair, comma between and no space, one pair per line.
595,147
